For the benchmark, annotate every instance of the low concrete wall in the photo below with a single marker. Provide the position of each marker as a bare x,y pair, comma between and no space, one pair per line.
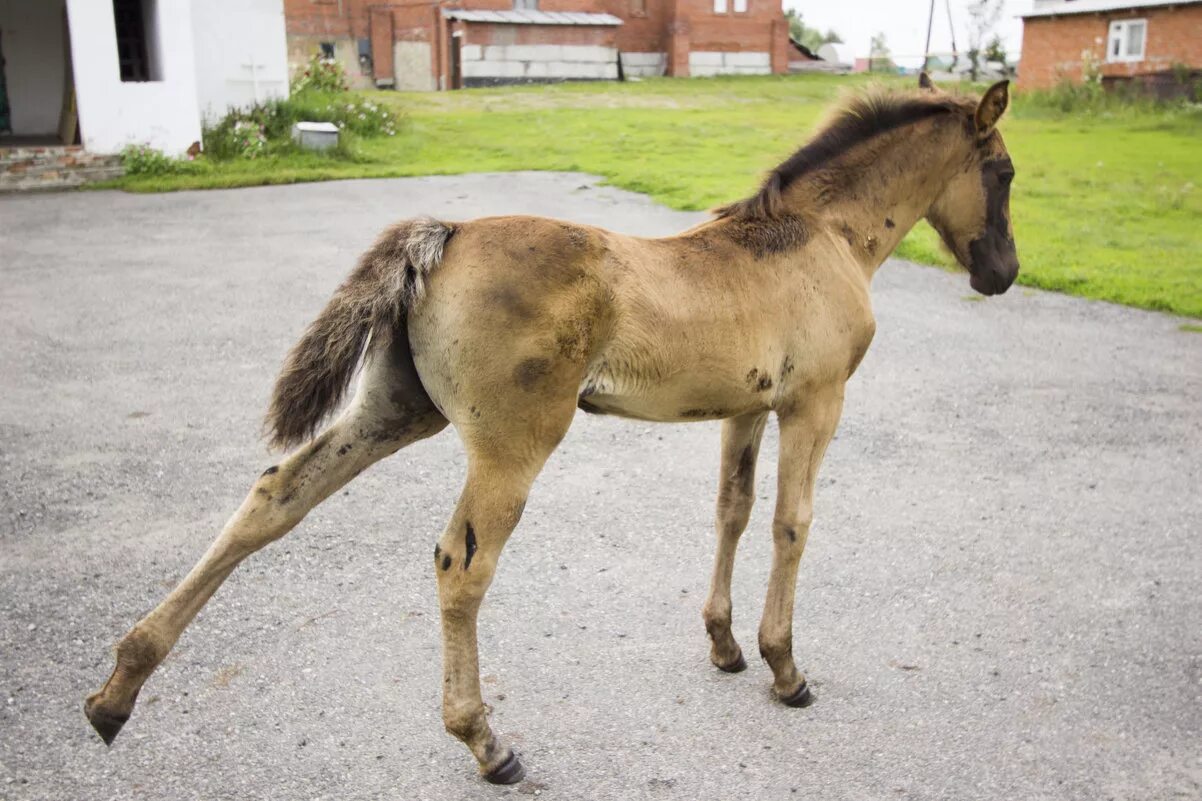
703,63
486,65
644,65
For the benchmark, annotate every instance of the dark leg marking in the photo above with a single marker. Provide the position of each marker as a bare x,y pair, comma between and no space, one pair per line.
470,543
345,449
446,562
437,553
889,223
791,534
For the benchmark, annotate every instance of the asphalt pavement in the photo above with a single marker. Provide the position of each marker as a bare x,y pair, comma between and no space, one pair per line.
1001,597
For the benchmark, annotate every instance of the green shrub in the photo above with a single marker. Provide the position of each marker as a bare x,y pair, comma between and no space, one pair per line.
320,75
145,160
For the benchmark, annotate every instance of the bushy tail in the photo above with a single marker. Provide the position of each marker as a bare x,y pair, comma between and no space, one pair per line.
370,305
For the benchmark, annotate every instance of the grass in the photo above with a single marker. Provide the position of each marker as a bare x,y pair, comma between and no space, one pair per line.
1105,204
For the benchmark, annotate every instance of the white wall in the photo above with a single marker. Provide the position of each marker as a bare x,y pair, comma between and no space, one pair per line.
113,114
229,36
35,54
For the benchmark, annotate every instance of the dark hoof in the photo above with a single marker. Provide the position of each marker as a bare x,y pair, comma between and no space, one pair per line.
509,772
800,699
106,724
737,666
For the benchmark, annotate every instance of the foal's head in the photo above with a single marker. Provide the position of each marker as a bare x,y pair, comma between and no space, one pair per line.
972,214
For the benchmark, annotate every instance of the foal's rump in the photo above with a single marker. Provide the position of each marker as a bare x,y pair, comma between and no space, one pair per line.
500,300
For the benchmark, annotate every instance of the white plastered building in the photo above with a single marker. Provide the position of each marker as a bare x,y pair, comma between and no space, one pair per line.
109,73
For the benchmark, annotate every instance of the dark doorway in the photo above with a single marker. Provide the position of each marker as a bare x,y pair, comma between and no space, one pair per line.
456,68
6,120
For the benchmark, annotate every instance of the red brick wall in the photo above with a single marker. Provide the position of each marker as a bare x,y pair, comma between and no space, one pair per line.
1053,46
672,26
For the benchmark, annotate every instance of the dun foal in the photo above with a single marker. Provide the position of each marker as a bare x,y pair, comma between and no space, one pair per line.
504,326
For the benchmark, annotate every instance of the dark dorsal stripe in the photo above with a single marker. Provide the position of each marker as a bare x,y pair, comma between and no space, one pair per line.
861,119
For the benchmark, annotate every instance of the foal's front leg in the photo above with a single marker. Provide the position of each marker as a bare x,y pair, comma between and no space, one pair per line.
804,434
736,493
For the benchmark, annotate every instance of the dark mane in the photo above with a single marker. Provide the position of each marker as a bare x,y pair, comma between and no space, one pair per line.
860,118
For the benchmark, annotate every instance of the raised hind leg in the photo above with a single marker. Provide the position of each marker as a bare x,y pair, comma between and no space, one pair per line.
736,493
503,462
804,434
390,410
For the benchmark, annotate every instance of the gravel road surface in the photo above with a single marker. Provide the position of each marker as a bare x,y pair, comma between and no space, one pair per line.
1001,598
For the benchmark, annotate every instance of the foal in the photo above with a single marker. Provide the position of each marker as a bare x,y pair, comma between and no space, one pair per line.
504,326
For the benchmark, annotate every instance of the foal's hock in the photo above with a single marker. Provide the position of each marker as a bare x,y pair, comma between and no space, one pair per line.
504,326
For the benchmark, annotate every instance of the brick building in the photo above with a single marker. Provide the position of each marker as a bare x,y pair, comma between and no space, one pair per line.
439,44
1126,40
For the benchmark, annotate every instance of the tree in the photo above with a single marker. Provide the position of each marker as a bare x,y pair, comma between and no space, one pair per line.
983,16
812,38
879,57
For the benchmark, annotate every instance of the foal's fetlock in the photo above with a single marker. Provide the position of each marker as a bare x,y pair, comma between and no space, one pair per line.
109,709
498,763
725,653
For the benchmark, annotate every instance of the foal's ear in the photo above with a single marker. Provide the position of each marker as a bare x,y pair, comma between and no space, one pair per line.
925,82
992,107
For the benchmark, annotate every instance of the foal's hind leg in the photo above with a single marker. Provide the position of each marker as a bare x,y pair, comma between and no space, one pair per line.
804,434
503,461
736,493
390,410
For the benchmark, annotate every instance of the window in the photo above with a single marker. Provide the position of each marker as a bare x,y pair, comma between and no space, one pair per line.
719,6
136,26
525,5
740,6
1128,40
327,51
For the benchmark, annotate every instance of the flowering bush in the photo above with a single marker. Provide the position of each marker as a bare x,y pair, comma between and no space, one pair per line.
320,75
250,138
241,134
363,117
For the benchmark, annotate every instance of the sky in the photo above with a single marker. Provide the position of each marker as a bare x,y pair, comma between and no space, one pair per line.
904,23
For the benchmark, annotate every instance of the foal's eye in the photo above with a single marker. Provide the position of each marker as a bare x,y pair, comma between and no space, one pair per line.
1005,178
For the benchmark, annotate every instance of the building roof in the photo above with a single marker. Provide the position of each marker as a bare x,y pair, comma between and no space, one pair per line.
1055,8
530,17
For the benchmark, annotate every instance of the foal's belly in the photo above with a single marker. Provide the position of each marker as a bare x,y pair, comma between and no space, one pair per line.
686,395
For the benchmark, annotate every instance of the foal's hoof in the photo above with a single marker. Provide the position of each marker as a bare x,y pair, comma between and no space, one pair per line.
509,772
106,724
737,666
801,698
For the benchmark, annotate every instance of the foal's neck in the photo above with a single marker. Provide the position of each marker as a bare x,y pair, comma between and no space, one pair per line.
874,195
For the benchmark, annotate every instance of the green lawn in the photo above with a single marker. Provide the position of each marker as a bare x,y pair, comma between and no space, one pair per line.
1105,204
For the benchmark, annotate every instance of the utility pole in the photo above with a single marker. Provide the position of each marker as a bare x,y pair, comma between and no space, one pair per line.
926,52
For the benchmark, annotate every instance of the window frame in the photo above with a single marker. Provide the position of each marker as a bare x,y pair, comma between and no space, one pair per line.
1119,32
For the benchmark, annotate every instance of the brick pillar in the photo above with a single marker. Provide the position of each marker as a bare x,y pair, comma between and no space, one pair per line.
779,46
678,46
